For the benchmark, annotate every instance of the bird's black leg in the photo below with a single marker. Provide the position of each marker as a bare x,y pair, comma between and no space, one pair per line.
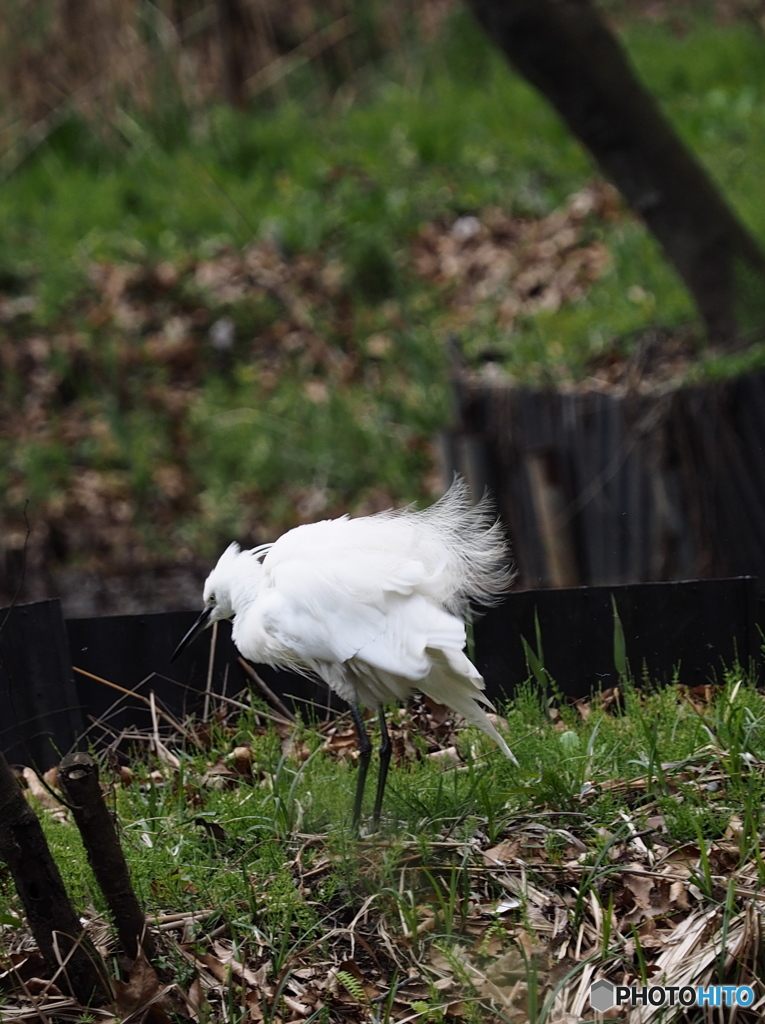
385,753
365,753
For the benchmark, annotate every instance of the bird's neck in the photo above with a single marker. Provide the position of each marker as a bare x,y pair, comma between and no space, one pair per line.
245,590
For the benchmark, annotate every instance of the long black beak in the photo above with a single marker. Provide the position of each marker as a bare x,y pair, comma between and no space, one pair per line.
199,626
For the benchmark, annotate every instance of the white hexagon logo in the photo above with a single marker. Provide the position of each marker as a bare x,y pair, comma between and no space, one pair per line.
602,995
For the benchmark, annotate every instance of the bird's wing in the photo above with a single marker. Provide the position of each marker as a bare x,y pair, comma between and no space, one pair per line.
412,628
364,558
312,618
334,589
323,618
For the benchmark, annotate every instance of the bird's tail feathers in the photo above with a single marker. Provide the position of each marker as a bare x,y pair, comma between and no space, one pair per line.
446,684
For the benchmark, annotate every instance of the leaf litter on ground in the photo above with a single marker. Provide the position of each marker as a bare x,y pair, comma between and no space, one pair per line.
501,917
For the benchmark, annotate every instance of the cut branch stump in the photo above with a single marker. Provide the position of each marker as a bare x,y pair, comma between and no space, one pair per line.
51,917
78,778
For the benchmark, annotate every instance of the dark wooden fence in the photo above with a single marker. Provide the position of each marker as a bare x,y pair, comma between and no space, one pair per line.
54,674
689,630
620,487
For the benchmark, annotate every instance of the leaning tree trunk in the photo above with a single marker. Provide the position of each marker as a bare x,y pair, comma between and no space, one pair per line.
565,50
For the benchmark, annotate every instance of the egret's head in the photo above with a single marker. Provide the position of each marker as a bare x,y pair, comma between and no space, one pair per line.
219,585
229,586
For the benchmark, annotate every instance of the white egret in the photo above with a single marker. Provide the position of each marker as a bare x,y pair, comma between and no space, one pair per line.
374,606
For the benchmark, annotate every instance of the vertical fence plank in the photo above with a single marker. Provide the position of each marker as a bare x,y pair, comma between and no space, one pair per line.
39,706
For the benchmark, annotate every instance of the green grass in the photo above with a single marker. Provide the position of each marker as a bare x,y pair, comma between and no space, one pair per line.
286,798
242,850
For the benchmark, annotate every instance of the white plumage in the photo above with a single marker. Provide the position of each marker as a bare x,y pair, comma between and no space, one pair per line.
374,606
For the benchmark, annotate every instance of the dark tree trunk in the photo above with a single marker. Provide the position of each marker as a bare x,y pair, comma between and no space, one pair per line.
232,30
565,50
50,914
